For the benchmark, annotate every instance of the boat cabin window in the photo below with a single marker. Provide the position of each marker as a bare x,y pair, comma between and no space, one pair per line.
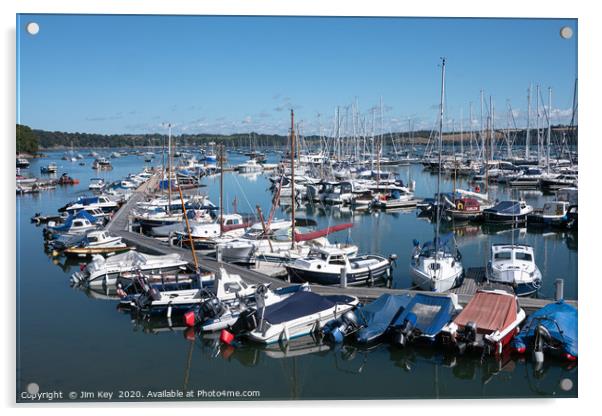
92,239
504,255
523,256
78,223
337,259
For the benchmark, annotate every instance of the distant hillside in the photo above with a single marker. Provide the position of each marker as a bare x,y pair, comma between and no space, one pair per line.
29,140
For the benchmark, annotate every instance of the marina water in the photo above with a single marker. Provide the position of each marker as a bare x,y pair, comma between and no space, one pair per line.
72,340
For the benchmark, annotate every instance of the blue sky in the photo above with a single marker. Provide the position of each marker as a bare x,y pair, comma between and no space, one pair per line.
132,74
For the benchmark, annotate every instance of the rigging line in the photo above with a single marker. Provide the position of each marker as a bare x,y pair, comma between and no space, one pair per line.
243,193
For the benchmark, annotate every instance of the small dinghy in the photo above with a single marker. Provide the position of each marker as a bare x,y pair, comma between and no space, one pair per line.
367,323
488,323
550,330
423,319
67,180
324,265
299,315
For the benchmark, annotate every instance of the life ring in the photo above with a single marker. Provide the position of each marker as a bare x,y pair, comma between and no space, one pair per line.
460,206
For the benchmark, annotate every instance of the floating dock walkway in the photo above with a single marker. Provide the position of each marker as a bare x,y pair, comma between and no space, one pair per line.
119,225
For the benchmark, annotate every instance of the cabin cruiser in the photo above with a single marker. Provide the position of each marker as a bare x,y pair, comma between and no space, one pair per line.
101,163
101,271
436,266
250,166
106,203
325,266
559,181
514,265
80,223
529,178
395,197
508,212
232,226
487,323
50,168
96,184
95,242
553,213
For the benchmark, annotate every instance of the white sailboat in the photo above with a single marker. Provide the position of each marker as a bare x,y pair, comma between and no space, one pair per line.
436,266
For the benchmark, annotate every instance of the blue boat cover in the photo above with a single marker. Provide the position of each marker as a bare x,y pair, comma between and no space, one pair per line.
506,207
560,319
432,313
297,305
376,316
67,224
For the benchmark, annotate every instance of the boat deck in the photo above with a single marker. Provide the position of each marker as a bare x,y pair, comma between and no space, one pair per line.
119,225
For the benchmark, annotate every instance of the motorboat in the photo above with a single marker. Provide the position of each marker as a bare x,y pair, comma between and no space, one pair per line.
368,322
65,179
97,242
22,163
101,271
507,212
487,323
233,225
80,223
296,316
550,330
97,184
326,265
514,265
104,202
102,163
465,209
49,169
437,265
250,166
423,318
553,213
227,287
217,313
398,197
554,182
530,178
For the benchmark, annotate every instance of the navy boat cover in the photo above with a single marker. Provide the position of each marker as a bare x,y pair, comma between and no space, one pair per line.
432,313
296,306
560,319
376,316
506,207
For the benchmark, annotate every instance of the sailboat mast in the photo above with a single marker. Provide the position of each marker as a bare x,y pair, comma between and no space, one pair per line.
221,189
482,132
528,123
293,178
169,168
440,150
537,126
549,128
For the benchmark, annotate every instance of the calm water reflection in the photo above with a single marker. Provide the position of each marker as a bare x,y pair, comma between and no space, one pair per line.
70,340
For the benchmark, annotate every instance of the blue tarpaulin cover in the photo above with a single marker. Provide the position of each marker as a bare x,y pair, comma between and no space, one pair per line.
432,313
560,319
376,316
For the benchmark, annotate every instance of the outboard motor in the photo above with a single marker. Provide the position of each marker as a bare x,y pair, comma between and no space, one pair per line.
336,331
469,336
402,334
542,338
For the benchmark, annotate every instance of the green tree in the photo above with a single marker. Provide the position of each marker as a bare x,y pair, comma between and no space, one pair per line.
27,140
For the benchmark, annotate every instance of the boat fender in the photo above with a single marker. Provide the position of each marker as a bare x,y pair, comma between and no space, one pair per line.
190,318
226,337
